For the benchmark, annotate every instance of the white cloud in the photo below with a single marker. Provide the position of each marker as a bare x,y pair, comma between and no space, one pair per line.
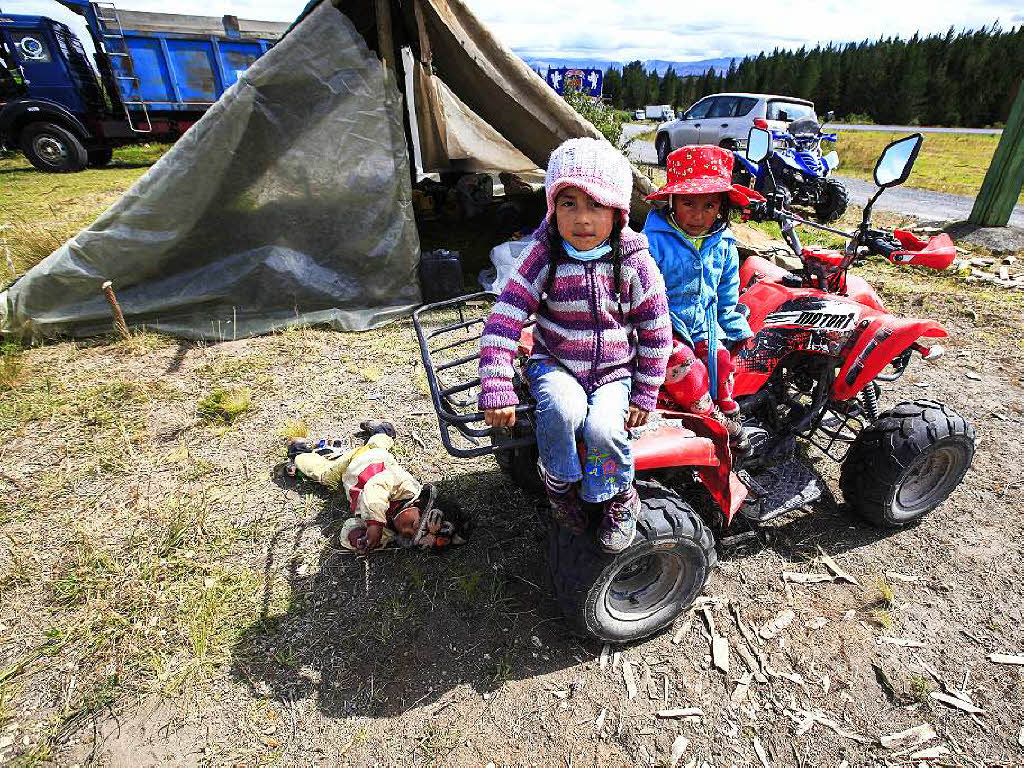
623,30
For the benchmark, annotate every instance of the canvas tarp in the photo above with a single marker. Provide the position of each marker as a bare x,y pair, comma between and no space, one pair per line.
290,200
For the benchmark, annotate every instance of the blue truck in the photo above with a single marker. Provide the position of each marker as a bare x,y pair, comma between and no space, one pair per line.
67,102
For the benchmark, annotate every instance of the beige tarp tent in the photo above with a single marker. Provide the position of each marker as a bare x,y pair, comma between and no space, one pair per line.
290,200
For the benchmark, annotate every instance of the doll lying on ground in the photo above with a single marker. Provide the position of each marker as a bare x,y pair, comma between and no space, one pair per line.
388,504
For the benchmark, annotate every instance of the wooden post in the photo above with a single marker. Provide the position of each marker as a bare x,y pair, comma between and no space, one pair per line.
1005,177
119,324
385,37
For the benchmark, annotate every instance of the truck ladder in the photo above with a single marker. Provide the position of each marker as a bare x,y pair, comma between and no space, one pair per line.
111,30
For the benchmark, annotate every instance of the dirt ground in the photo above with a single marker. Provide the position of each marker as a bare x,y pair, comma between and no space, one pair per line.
166,599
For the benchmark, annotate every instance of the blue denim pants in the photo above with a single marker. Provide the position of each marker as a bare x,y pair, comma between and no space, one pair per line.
565,413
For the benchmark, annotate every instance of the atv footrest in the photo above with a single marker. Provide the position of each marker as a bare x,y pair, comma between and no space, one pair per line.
780,489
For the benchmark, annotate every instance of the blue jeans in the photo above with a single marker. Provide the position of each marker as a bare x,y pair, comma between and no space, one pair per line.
565,413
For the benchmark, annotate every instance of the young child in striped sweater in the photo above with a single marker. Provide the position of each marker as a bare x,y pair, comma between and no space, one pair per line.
601,342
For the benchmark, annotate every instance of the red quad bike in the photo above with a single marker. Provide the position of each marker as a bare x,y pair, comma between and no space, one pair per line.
823,341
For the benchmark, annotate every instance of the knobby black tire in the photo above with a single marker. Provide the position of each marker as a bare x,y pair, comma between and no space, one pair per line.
834,200
582,573
889,451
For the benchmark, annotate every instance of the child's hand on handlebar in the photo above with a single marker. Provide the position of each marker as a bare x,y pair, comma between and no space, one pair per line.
636,418
500,417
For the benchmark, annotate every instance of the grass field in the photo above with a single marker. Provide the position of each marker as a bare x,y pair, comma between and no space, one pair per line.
949,162
39,211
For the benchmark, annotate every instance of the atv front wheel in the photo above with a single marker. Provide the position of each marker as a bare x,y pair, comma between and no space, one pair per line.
906,463
624,597
832,201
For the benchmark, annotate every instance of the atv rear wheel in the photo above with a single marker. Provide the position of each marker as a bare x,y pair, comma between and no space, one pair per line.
906,463
832,201
624,597
520,463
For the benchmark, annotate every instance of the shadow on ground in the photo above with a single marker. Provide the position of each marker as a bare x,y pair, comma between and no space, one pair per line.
419,625
479,614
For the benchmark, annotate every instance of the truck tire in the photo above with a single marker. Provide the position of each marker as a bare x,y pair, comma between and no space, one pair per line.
906,463
631,595
100,157
832,201
662,146
51,148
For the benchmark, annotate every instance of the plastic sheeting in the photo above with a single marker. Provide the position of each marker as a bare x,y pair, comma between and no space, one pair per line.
288,202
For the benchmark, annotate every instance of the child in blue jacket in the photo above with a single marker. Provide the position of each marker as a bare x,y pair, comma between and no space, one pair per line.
691,243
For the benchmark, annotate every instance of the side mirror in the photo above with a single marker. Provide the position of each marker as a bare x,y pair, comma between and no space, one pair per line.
830,116
759,144
897,159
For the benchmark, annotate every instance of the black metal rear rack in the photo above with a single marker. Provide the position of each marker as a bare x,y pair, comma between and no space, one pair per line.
451,367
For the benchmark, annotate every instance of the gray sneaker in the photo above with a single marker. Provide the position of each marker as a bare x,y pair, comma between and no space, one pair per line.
619,524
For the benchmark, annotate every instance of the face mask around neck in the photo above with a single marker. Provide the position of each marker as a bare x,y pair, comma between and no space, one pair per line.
591,255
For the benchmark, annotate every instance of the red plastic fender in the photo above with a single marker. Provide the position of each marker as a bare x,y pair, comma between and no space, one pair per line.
938,253
859,289
755,268
722,483
885,338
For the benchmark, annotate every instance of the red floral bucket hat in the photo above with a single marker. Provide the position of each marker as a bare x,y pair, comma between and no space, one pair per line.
703,169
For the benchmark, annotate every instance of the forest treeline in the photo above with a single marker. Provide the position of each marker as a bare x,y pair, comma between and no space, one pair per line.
961,78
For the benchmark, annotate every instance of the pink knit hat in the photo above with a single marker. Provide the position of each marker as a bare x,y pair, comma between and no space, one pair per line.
594,166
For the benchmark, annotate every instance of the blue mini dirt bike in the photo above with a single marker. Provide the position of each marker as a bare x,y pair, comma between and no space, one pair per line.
801,172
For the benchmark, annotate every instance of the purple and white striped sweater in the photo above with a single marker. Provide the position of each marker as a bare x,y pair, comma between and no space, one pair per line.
579,324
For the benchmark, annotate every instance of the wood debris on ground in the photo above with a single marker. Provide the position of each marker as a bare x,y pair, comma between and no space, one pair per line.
912,737
834,568
895,576
1004,658
629,678
806,578
958,703
742,689
762,755
902,642
605,651
932,753
681,713
777,625
679,747
806,719
683,631
599,723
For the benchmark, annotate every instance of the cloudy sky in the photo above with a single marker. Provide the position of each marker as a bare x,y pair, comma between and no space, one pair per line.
623,30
